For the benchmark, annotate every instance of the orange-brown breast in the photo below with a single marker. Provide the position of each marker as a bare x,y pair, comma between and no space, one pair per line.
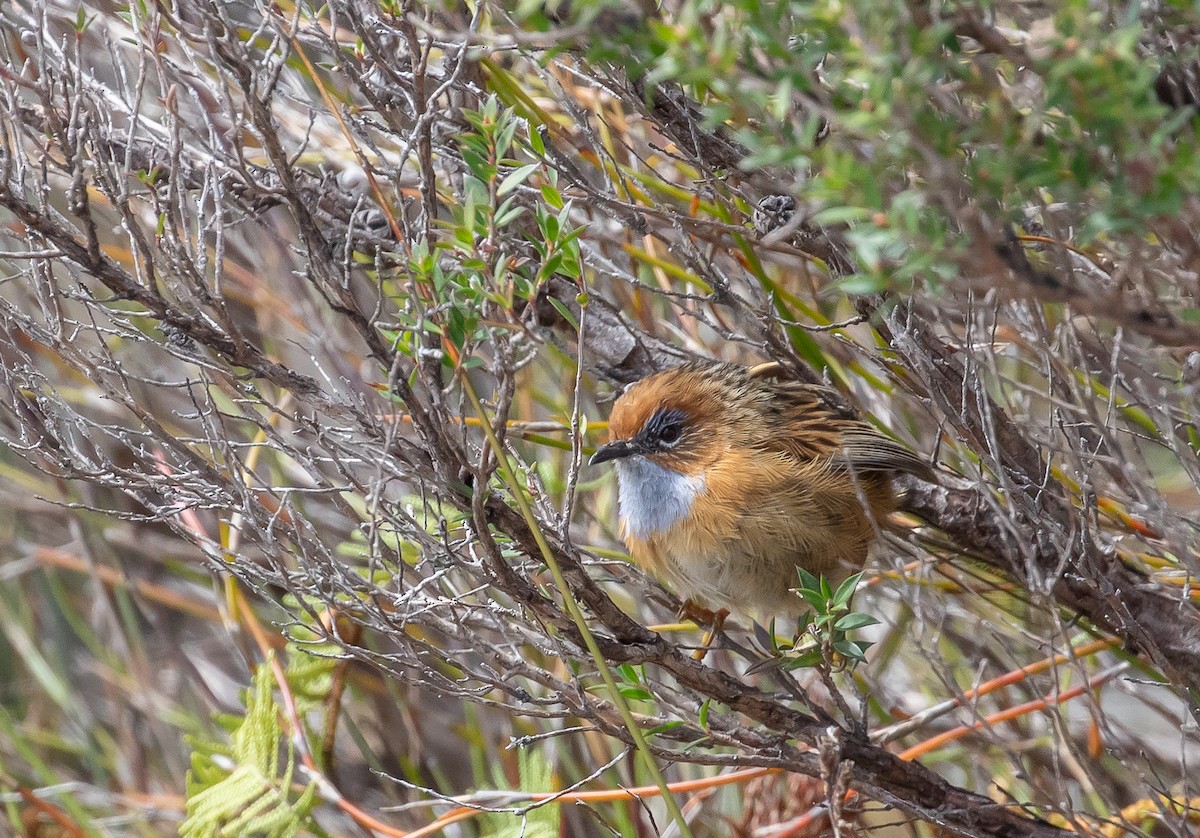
760,517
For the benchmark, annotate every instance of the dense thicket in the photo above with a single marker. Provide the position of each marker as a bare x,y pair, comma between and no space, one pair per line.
322,307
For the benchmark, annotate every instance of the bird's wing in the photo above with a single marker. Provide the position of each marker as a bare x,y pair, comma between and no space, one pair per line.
866,449
806,423
815,422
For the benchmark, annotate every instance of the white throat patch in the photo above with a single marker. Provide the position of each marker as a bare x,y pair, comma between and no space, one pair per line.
653,498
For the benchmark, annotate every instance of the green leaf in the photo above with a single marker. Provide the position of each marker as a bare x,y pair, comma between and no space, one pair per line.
564,311
852,649
804,622
813,598
515,178
665,726
504,216
552,196
549,226
535,141
509,123
806,660
807,580
847,589
854,621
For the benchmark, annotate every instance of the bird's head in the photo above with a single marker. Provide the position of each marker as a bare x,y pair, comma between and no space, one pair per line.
674,419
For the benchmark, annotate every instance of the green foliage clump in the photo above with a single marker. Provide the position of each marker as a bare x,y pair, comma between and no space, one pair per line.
245,787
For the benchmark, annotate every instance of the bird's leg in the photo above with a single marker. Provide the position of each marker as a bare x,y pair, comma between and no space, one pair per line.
699,614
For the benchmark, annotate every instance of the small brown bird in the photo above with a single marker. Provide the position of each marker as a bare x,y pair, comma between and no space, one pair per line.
730,480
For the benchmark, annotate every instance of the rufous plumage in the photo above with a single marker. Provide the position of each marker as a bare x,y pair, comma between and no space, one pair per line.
730,479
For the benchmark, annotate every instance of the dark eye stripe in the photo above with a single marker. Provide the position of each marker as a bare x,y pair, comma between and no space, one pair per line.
661,420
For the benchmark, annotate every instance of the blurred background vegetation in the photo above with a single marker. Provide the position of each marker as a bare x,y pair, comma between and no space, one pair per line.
310,314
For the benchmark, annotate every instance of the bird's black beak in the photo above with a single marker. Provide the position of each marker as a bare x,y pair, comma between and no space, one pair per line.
614,450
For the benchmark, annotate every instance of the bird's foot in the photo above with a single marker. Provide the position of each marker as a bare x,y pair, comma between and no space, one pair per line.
697,613
700,615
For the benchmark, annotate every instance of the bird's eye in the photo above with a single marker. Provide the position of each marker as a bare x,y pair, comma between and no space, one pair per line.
670,433
663,430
